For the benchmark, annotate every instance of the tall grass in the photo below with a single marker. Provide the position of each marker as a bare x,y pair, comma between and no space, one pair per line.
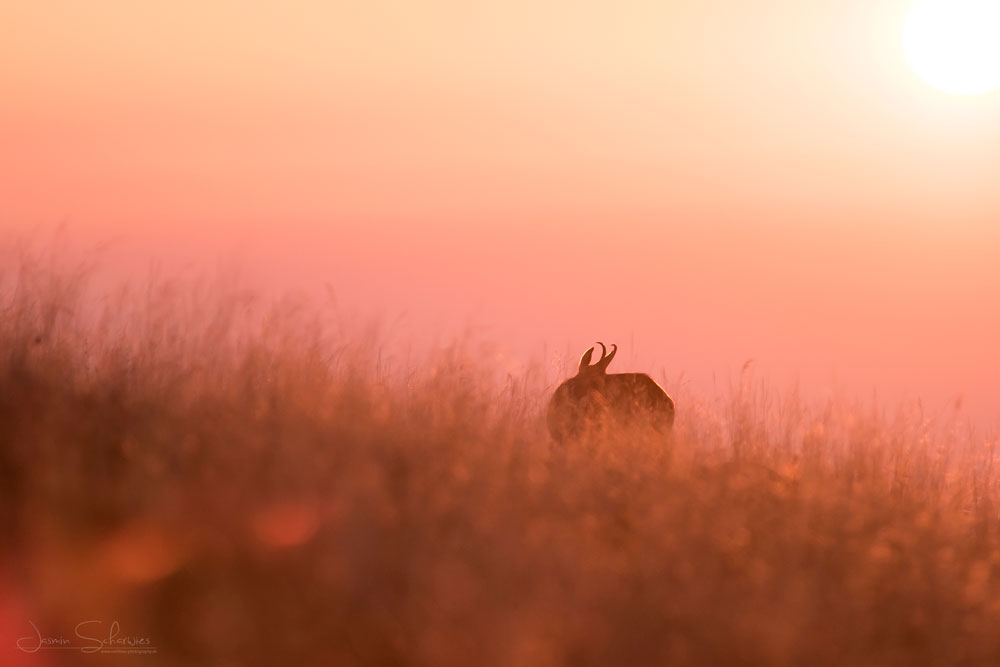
250,483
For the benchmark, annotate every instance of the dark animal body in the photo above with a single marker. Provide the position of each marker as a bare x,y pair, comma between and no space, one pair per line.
595,402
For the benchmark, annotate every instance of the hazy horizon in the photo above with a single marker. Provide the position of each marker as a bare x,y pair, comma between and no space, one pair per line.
701,183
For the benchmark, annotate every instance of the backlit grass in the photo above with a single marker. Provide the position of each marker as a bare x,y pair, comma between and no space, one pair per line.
247,483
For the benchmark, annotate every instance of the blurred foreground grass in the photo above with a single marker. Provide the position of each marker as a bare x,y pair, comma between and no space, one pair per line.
244,484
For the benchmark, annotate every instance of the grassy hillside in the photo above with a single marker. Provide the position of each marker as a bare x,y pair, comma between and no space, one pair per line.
242,483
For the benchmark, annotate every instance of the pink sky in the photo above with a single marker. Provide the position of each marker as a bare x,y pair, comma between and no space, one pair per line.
704,182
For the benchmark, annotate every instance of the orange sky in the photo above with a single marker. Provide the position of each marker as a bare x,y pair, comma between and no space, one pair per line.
705,181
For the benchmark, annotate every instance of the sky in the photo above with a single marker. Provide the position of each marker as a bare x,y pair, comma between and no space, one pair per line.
703,182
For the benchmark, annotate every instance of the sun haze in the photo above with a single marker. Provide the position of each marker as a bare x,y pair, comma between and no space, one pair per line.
711,181
955,46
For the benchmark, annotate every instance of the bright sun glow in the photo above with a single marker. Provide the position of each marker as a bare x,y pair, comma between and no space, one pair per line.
954,45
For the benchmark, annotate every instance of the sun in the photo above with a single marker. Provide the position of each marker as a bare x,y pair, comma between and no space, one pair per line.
954,45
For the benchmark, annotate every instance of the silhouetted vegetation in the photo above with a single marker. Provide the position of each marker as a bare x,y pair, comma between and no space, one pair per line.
245,483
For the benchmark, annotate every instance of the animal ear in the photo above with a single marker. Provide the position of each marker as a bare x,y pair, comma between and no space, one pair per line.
606,359
585,359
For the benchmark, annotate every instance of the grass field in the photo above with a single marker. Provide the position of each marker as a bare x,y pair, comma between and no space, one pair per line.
240,483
